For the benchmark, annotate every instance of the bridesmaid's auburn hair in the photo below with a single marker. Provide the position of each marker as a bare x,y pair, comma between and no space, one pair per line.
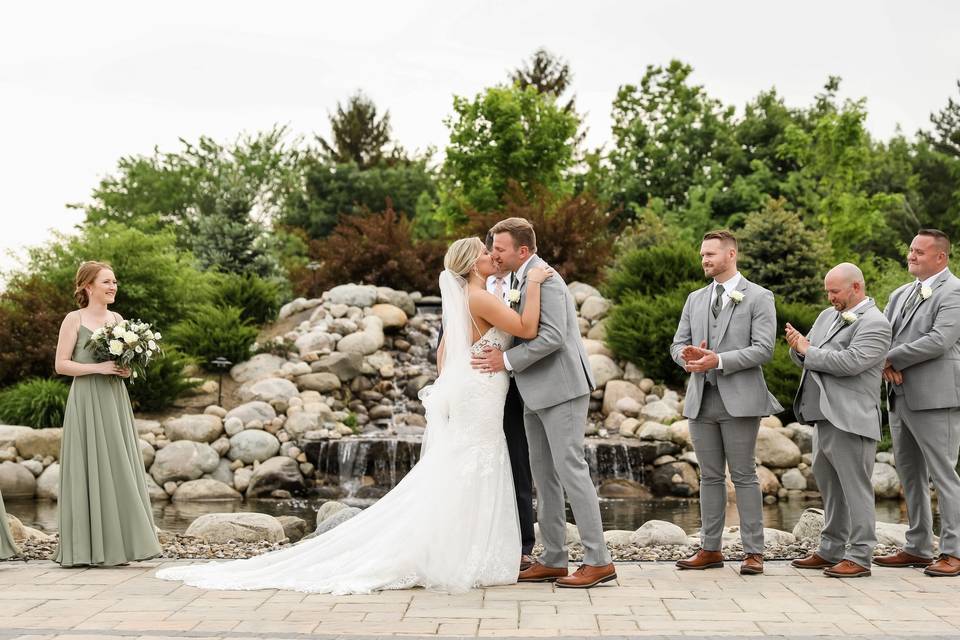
86,275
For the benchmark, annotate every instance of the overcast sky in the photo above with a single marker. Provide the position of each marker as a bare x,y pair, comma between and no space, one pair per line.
84,83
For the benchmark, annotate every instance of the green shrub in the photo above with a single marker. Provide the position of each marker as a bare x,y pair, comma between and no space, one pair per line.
31,310
640,329
799,314
37,402
163,383
256,297
652,270
209,332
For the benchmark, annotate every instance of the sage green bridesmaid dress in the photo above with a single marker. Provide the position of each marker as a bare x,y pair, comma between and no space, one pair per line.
8,548
104,509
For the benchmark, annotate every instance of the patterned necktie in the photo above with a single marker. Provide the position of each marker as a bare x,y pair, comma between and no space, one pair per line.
912,300
718,301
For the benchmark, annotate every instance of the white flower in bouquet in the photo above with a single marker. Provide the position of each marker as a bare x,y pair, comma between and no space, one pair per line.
116,347
151,345
130,344
130,337
139,349
118,331
156,335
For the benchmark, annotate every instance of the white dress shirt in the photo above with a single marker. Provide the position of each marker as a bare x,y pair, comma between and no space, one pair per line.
929,281
492,286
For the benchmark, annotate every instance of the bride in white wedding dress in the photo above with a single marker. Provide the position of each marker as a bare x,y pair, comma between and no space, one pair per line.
451,523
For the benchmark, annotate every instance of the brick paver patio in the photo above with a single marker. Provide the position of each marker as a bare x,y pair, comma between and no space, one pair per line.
40,600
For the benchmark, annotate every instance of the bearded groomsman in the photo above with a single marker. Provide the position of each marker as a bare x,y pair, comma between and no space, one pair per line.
725,335
922,371
842,360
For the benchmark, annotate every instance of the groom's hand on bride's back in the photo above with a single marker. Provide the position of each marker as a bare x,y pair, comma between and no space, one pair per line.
490,360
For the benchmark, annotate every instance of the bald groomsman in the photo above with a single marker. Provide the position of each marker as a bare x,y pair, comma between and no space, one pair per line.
842,361
725,335
923,391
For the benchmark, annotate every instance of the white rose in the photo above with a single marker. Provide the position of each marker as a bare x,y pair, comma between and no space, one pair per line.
118,331
513,295
925,292
139,349
736,296
156,335
116,347
151,345
130,337
849,317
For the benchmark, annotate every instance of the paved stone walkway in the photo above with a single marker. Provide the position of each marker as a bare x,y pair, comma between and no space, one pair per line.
40,600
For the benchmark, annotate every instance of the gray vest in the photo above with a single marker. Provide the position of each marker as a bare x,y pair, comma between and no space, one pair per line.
810,411
713,330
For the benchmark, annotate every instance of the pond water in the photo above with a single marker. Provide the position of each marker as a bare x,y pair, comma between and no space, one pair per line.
616,514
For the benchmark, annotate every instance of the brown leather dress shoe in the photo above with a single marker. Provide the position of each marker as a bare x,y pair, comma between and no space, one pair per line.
812,561
846,569
945,567
752,564
702,560
588,576
902,559
541,573
526,562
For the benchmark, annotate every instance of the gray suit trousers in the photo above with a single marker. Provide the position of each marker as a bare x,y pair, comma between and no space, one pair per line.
722,441
555,437
925,447
843,465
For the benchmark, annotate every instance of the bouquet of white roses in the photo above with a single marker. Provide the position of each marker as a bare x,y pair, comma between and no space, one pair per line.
130,343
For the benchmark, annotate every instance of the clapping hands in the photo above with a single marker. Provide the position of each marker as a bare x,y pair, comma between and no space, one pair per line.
699,359
797,341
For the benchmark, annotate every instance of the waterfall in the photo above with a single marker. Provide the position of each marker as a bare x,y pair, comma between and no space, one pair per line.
392,450
626,457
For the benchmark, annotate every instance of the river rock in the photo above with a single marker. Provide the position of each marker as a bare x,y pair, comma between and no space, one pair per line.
572,535
183,460
346,366
581,291
269,390
353,295
629,426
662,411
615,390
777,538
205,490
40,442
316,340
48,484
793,479
892,534
886,482
335,519
769,483
628,407
253,445
33,466
392,317
154,490
598,331
776,450
262,365
219,528
654,431
809,525
369,340
196,427
594,308
296,306
597,347
327,509
10,433
22,533
886,457
675,478
680,433
147,452
604,369
617,537
16,481
294,528
401,299
254,410
322,382
241,478
772,422
655,533
802,436
279,472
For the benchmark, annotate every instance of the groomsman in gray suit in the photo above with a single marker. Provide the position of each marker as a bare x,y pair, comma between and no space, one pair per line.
842,360
725,335
922,371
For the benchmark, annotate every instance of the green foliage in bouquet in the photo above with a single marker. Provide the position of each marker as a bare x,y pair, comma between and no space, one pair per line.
257,298
37,403
209,332
640,329
163,383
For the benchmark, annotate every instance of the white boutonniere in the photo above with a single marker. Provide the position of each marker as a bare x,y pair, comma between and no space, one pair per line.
925,292
849,317
736,296
513,296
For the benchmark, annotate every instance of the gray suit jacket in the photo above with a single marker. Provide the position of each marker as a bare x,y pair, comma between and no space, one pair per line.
846,363
926,345
747,331
552,367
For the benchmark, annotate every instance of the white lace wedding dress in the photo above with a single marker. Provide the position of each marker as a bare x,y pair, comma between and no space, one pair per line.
450,525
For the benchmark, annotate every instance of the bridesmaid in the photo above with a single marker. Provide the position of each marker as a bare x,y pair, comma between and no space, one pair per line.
8,548
104,510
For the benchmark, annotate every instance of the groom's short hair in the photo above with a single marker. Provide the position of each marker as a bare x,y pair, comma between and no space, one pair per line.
724,236
520,230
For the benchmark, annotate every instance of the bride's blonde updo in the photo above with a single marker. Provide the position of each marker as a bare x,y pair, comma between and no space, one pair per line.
462,255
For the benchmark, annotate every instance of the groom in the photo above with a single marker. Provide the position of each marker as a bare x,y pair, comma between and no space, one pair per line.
554,378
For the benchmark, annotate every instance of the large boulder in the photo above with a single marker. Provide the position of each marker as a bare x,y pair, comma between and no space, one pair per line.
399,299
322,382
802,436
680,433
40,442
144,427
219,528
253,445
604,369
598,331
48,484
676,479
364,342
353,295
617,389
296,306
892,534
22,533
301,422
327,509
276,473
335,519
809,525
205,490
16,481
794,479
595,308
662,411
392,317
200,427
224,471
293,527
262,365
769,483
10,433
183,460
268,390
345,366
255,410
155,491
656,533
147,452
316,340
572,536
595,346
886,482
776,450
581,291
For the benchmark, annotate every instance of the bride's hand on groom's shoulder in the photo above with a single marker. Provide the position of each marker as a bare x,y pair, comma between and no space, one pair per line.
540,274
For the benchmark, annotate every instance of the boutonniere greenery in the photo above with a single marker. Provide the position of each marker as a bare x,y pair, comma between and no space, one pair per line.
736,296
849,317
513,295
925,292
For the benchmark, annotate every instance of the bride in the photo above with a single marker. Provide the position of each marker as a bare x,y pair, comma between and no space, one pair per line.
451,523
